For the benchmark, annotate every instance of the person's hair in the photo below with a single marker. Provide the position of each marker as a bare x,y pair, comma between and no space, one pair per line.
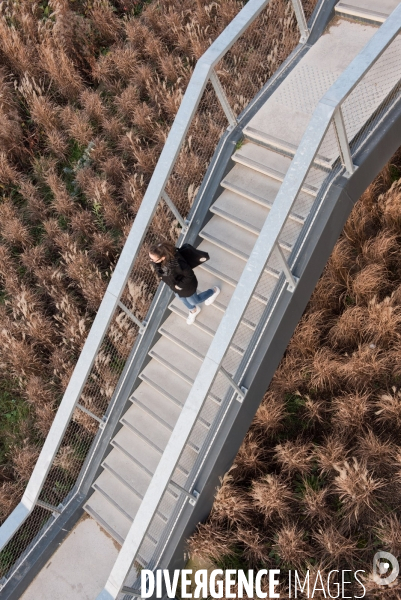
163,249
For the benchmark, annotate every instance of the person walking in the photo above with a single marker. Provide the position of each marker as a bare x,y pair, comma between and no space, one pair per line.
178,275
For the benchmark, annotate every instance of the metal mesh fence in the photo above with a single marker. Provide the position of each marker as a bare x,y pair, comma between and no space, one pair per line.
16,549
255,56
377,91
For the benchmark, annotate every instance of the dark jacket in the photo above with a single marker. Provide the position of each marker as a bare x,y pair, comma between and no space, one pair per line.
177,272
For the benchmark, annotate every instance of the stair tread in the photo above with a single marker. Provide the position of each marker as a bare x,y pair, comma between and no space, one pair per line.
281,146
240,242
154,401
208,323
118,494
275,165
230,203
237,212
230,268
208,280
108,516
164,380
192,339
146,426
262,188
174,357
137,449
354,8
127,471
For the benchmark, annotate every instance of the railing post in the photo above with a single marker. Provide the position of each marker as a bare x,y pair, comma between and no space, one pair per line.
292,281
342,140
301,20
191,497
133,318
241,391
221,95
174,210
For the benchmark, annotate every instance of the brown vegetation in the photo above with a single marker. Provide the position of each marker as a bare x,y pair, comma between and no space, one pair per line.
88,92
327,491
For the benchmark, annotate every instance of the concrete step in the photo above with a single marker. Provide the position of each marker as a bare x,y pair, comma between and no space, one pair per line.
172,356
366,11
134,446
153,432
108,516
159,406
262,189
164,380
231,207
281,146
133,477
191,339
273,165
230,267
128,472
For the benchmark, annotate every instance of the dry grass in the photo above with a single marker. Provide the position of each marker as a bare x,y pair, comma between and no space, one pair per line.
327,490
88,92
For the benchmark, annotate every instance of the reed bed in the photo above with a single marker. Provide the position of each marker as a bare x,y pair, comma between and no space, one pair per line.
88,92
321,487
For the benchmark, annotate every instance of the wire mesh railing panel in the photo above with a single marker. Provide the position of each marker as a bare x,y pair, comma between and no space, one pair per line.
143,281
255,56
374,94
18,547
69,459
200,142
95,398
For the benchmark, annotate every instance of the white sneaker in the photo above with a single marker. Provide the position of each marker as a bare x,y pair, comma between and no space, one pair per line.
192,315
213,298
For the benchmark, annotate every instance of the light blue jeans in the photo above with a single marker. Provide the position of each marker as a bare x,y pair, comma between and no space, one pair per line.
191,301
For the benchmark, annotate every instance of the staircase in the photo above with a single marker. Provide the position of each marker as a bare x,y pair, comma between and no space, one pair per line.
247,194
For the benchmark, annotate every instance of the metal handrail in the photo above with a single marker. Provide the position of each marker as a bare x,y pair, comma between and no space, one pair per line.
324,114
203,73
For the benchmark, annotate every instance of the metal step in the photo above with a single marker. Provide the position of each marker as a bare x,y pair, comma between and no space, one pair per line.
163,380
191,339
282,147
133,446
156,404
148,428
109,517
358,11
273,165
175,358
134,478
240,232
260,188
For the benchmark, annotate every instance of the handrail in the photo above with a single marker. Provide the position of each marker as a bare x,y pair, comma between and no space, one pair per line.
322,117
199,79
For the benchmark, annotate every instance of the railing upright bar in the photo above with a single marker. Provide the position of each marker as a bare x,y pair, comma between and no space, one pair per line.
292,281
301,20
221,95
342,141
174,210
